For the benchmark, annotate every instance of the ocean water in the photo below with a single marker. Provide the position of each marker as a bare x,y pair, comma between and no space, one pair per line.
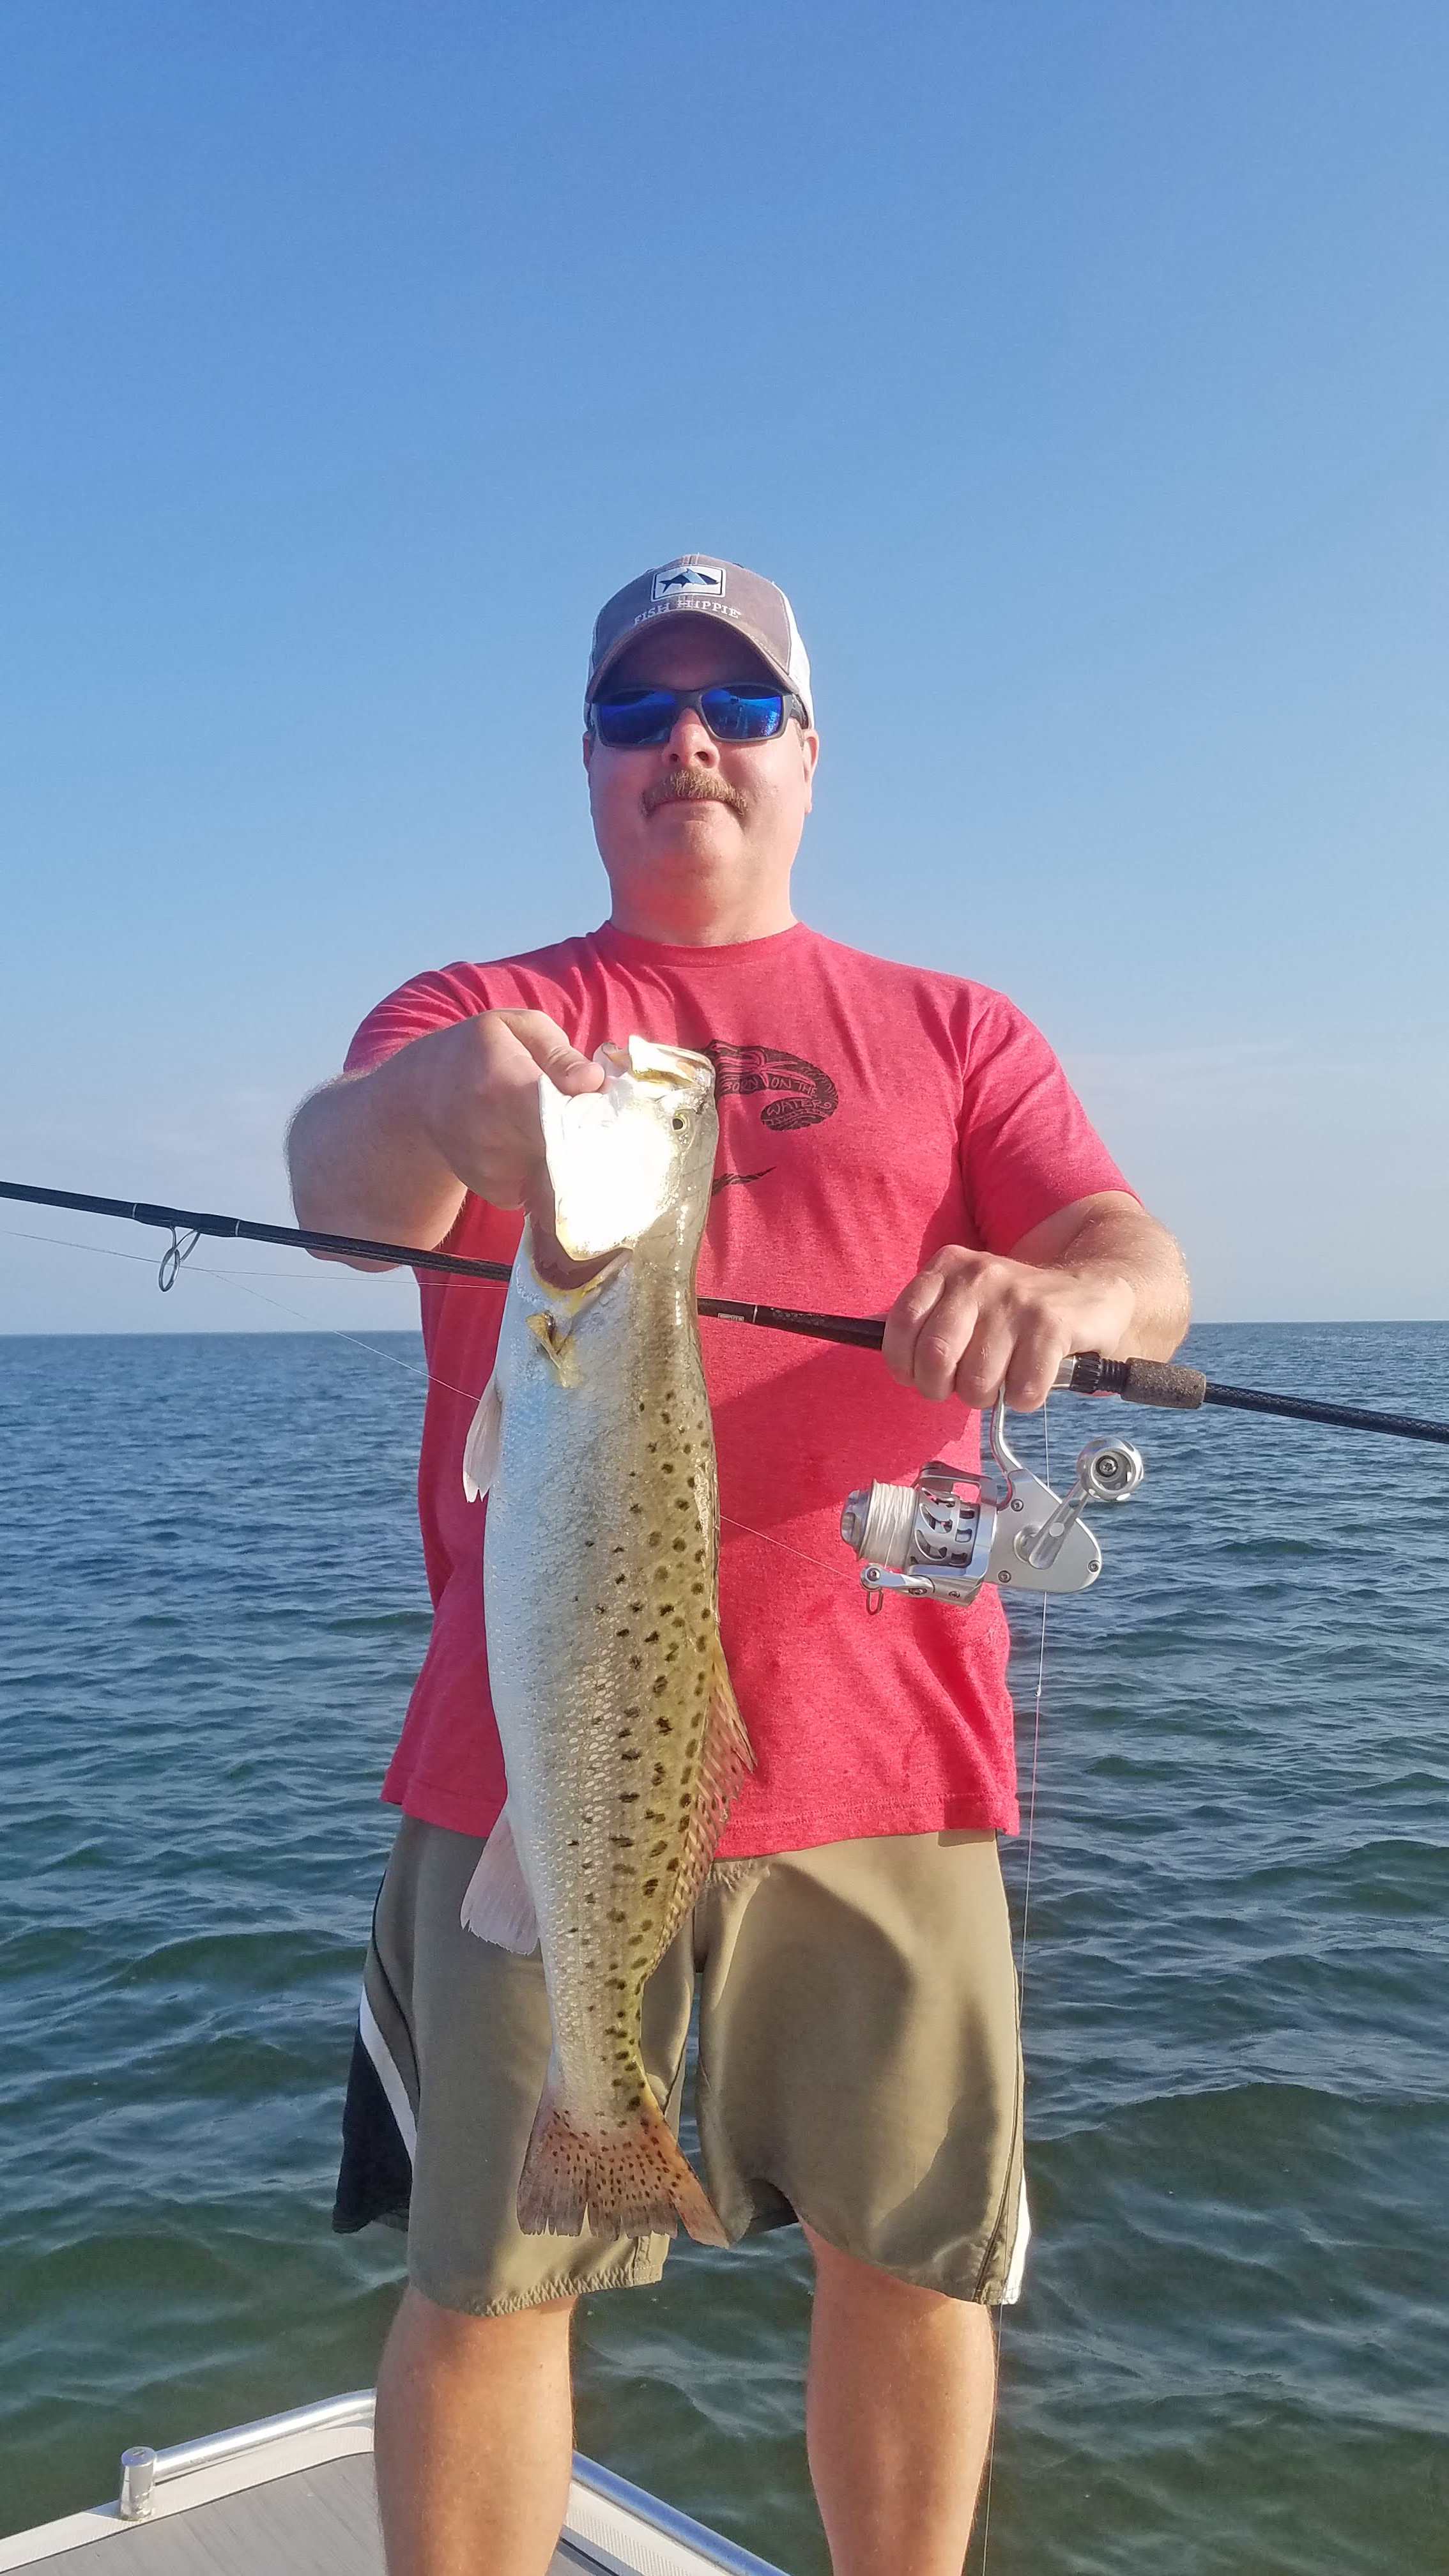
1232,2356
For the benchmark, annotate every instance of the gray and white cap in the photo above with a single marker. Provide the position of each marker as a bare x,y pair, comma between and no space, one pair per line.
704,586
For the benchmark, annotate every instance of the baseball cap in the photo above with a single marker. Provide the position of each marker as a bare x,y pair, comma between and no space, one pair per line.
704,586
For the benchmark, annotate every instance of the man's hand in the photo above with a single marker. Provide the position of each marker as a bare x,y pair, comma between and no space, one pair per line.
478,1098
390,1153
1101,1275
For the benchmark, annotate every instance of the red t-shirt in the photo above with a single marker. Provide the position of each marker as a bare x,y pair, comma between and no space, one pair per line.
868,1113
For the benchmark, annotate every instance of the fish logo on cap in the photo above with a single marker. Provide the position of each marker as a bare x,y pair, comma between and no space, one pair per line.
676,577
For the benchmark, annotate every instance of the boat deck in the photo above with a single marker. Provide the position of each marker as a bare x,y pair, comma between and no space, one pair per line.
293,2496
309,2524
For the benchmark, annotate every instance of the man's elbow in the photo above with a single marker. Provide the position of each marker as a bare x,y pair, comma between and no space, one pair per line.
311,1157
1167,1305
306,1160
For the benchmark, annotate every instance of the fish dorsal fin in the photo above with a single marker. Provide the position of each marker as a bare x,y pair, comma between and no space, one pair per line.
726,1758
480,1449
498,1902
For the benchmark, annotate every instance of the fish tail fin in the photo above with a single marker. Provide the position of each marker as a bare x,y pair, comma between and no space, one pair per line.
627,2178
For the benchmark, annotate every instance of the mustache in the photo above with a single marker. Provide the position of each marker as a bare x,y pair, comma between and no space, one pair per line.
692,786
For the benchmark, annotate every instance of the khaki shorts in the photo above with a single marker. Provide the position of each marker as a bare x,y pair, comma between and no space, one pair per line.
859,2067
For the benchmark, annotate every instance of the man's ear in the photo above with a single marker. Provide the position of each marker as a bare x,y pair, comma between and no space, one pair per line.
810,753
588,750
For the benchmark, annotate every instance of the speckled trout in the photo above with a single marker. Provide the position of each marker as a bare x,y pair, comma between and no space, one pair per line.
621,1737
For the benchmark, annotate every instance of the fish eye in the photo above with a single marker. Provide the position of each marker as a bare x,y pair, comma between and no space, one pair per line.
679,1122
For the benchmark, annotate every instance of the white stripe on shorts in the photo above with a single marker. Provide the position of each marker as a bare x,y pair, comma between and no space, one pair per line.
388,2077
1011,2291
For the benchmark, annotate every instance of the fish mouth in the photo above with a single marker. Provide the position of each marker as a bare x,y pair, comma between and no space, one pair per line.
620,1159
556,1267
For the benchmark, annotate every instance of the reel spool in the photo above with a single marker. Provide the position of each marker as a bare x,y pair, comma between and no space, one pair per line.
931,1536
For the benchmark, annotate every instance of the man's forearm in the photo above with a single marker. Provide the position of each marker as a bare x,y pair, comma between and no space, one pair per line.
1130,1246
394,1152
362,1160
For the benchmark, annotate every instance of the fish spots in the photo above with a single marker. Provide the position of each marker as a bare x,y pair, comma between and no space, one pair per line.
653,1637
658,1778
696,1588
679,1547
658,1688
658,1850
621,1578
628,1797
622,1842
650,1885
664,1726
635,1662
631,1753
617,1914
637,1507
623,1632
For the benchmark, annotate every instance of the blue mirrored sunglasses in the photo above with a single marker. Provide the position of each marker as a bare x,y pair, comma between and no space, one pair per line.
640,719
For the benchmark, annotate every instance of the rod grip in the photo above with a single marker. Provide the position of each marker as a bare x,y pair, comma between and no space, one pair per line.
1159,1382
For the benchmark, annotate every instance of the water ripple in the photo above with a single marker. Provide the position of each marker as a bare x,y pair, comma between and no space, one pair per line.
1230,2357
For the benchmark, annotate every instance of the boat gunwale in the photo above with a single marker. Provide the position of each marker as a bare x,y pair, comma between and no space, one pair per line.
353,2412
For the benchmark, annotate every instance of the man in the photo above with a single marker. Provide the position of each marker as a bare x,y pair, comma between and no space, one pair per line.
859,2062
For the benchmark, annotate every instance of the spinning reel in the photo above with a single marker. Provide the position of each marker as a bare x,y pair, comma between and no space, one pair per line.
951,1531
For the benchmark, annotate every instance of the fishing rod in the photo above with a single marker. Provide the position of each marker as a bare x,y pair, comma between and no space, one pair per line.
1161,1383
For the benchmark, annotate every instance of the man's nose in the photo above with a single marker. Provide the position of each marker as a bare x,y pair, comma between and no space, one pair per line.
691,744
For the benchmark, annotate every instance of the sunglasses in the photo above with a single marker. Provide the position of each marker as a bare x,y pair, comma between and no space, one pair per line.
640,719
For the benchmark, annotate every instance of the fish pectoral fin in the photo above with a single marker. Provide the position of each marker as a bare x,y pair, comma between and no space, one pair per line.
498,1902
557,1346
481,1448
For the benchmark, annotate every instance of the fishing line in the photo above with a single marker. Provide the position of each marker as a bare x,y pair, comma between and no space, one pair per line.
999,2321
239,1279
336,1332
833,1570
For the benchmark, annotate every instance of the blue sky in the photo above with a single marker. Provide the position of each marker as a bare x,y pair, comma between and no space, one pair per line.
1080,369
